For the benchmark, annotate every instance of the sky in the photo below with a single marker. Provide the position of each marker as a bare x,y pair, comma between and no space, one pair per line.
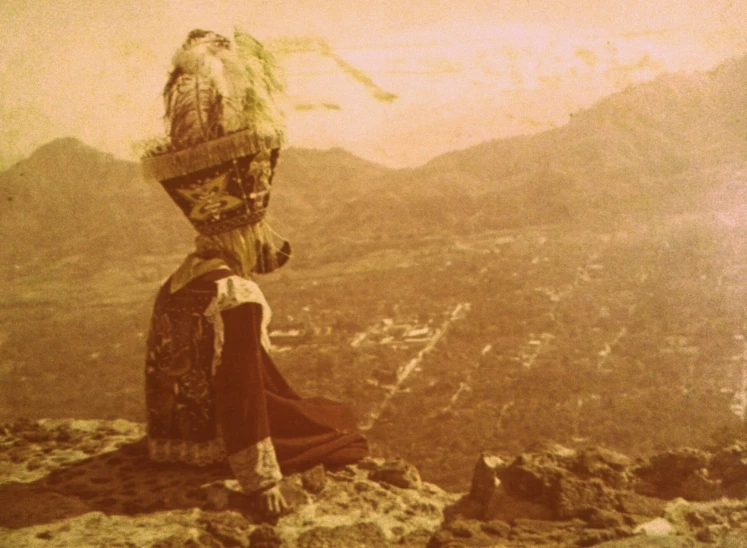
453,73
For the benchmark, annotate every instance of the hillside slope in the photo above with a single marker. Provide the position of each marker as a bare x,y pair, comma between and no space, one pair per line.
659,147
95,204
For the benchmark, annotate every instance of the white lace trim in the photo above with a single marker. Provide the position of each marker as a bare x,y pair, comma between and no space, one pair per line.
189,452
232,292
256,467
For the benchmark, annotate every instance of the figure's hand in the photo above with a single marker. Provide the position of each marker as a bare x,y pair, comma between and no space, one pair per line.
272,502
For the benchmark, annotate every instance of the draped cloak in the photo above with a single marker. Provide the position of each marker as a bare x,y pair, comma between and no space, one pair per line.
213,392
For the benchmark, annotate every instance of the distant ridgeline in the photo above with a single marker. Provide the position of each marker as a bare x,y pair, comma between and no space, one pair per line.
670,145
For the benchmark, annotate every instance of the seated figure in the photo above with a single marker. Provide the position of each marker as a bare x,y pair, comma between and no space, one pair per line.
213,392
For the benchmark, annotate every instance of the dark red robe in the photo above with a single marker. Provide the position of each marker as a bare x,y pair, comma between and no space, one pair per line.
212,390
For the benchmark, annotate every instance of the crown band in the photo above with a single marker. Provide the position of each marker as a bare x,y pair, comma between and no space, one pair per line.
206,155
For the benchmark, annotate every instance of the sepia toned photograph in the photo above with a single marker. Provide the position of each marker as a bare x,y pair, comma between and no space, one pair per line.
416,273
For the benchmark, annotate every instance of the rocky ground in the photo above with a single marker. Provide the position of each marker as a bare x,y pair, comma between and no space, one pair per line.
79,483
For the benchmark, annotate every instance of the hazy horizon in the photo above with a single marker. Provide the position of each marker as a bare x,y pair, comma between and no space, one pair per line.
462,74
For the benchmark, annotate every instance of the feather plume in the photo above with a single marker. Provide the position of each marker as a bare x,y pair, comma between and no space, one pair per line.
194,93
215,89
261,110
191,109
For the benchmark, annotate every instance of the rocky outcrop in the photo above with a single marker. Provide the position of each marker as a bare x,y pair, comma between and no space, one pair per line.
596,497
89,483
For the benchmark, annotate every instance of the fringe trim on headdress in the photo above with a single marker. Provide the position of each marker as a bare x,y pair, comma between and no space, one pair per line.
208,154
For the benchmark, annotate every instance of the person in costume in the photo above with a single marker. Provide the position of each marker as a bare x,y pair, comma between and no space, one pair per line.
213,392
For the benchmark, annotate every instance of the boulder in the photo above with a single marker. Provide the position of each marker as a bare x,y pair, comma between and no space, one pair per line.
546,479
531,477
314,480
397,472
571,497
729,465
700,486
613,468
485,477
664,474
503,506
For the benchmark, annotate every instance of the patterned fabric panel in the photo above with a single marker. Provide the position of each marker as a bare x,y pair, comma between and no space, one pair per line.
178,370
195,453
227,195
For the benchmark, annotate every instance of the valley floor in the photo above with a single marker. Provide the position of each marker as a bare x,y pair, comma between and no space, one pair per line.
632,337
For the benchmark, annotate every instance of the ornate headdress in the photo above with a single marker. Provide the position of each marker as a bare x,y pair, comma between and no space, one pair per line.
224,136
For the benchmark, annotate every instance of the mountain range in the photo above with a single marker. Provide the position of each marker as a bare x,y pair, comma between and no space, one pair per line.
676,143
